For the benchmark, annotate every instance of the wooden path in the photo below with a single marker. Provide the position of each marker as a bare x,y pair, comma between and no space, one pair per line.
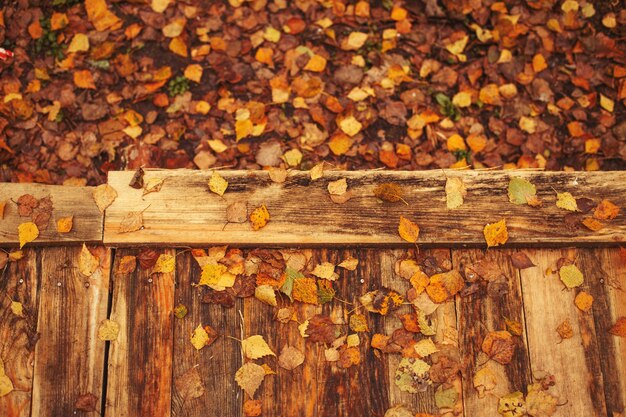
53,313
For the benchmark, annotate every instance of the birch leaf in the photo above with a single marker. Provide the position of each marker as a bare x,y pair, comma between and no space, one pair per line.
255,347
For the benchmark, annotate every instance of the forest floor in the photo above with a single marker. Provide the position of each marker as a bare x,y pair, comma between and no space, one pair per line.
97,85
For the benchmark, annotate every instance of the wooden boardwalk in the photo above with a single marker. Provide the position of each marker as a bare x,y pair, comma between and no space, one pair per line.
53,353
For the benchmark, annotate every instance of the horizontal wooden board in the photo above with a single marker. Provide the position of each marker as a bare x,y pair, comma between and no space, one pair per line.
184,212
66,201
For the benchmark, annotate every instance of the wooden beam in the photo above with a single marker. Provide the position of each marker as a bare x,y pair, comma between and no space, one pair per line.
184,212
66,201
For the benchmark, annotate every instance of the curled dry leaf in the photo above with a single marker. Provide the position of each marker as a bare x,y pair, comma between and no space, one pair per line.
266,294
137,181
521,260
153,185
317,171
349,263
104,195
338,187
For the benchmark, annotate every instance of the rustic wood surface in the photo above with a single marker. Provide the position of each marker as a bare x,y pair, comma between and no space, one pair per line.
69,357
55,349
575,362
18,335
185,212
484,311
140,360
66,201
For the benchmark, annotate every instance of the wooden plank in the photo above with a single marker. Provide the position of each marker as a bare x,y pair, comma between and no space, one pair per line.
69,357
605,273
216,364
185,212
140,361
575,362
18,335
483,311
66,201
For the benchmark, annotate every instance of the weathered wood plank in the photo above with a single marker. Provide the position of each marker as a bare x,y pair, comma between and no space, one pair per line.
484,311
69,357
140,361
217,363
575,362
18,335
605,271
185,212
66,201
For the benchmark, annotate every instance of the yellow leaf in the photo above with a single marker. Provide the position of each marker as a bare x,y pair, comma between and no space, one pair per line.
271,34
462,99
317,171
317,63
64,224
496,233
174,28
217,184
350,264
398,13
108,330
325,270
80,43
338,187
84,79
583,301
455,192
27,232
6,386
293,157
340,143
159,6
566,201
58,21
243,128
456,143
606,103
571,276
266,294
165,264
539,63
456,48
250,376
350,125
200,337
87,263
255,347
259,217
194,72
17,308
178,46
100,16
484,380
265,56
354,41
408,230
211,274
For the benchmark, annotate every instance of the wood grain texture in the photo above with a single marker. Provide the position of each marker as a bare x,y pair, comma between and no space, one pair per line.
574,362
217,363
484,311
605,271
18,335
69,357
67,201
185,212
140,361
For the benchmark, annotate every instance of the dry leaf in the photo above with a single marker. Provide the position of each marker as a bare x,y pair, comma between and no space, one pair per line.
84,79
290,358
455,192
619,328
317,171
521,260
408,230
390,192
165,264
255,347
521,191
325,270
484,380
64,224
349,263
6,386
278,175
137,181
566,201
217,184
499,346
338,187
104,195
237,212
249,377
565,330
583,301
17,308
571,276
108,330
87,263
132,222
203,336
100,16
259,217
496,233
189,385
27,232
127,265
412,375
266,294
153,185
606,211
539,403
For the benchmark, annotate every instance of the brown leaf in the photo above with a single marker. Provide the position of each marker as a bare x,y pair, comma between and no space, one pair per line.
137,181
565,330
127,265
237,212
619,328
147,258
290,358
26,204
500,347
521,260
189,385
321,329
132,222
390,192
86,402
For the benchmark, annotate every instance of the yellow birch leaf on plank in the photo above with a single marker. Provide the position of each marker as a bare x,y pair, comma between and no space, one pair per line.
165,264
249,377
259,217
255,347
27,232
104,195
108,330
17,308
496,233
87,263
64,224
520,190
408,230
266,294
455,192
571,276
217,184
199,337
566,201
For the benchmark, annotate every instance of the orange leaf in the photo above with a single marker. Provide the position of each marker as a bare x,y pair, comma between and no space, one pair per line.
178,46
496,233
408,230
84,79
265,56
619,328
606,211
100,15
